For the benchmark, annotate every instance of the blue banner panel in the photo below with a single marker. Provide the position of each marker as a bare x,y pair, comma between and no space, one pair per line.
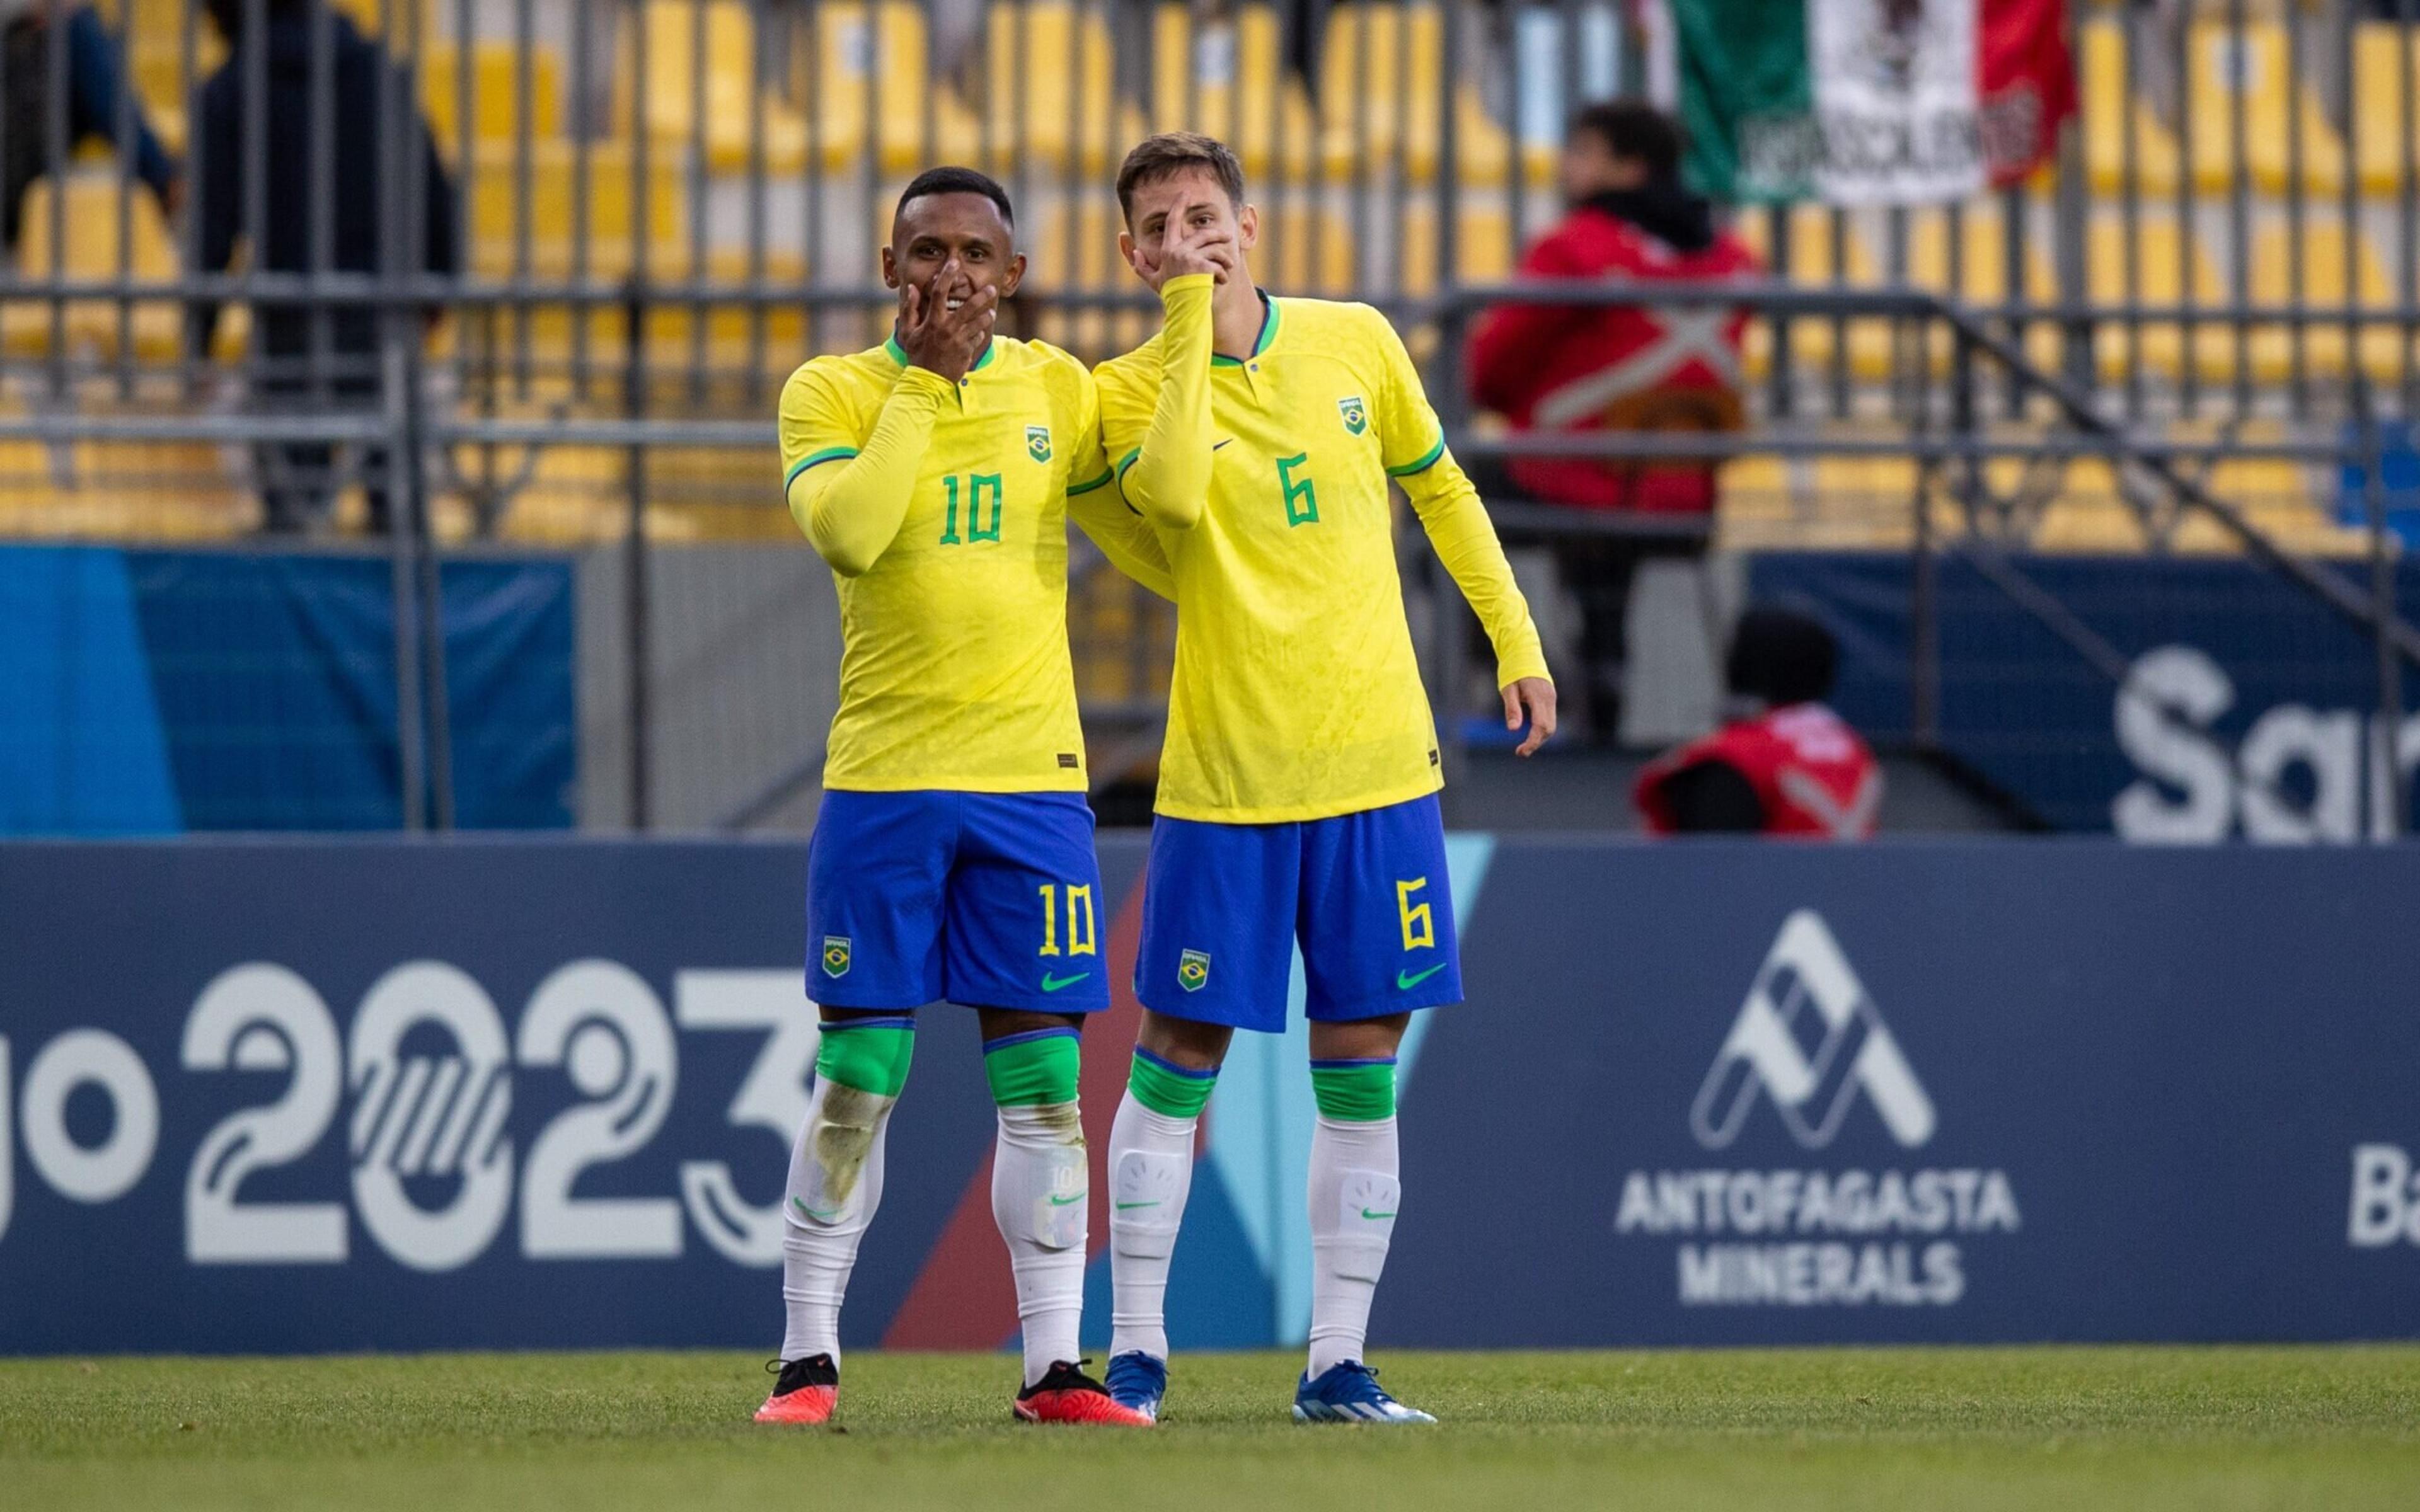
2246,712
504,1093
276,683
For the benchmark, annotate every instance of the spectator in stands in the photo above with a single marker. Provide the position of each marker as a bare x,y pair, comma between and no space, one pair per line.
97,95
1784,763
297,484
1573,369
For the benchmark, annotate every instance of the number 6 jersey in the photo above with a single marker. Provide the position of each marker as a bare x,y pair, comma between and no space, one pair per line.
942,508
1297,695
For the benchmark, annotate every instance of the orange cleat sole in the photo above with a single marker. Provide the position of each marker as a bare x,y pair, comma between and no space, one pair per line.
805,1407
1077,1407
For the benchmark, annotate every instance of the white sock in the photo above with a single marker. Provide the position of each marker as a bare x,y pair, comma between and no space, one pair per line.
835,1184
1039,1192
1354,1189
1151,1172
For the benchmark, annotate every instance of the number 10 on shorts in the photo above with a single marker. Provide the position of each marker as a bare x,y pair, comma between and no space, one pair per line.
1079,919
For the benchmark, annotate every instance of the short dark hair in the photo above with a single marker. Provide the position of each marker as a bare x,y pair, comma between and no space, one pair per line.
951,180
1782,656
1155,158
1636,132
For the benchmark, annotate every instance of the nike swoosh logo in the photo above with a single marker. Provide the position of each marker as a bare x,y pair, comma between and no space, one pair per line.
1215,445
1406,981
819,1217
1366,1213
1125,1207
1061,1202
1052,984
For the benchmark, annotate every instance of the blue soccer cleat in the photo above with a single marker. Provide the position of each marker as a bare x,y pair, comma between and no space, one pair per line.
1350,1393
1137,1381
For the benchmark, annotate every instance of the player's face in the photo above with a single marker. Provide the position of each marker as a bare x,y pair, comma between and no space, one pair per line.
931,229
1166,208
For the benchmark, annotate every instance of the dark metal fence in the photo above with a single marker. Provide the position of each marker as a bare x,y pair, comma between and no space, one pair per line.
2200,312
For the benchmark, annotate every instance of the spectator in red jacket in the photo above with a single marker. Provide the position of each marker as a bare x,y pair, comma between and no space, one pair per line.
1578,368
1785,765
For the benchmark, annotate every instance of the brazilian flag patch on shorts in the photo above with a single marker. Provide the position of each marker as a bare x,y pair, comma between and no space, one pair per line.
835,955
1193,970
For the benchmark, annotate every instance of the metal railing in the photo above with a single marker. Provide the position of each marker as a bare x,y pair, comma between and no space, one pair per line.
662,206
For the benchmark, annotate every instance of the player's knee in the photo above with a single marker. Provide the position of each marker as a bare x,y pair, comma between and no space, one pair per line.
1186,1043
868,1053
1036,1068
1369,1039
1168,1088
1354,1091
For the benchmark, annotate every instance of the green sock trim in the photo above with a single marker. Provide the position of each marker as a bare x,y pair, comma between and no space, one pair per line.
872,1059
1170,1090
1353,1091
1036,1068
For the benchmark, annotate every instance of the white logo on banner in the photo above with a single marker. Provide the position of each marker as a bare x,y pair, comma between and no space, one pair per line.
1804,970
1810,1040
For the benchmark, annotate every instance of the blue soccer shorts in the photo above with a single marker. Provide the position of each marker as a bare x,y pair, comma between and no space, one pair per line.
990,899
1365,894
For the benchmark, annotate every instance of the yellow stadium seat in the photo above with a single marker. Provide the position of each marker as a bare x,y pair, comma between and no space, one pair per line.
2322,283
1381,71
719,117
1981,270
864,71
2385,116
1483,250
2106,106
497,103
92,251
2165,274
2251,74
1305,249
1050,97
555,172
1231,82
1812,263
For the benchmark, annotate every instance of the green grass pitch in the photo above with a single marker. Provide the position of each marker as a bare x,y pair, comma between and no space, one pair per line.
2208,1429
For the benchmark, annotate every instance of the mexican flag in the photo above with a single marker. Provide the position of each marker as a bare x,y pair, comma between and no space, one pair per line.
1869,102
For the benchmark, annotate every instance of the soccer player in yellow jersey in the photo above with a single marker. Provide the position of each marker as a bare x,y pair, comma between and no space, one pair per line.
952,857
1297,788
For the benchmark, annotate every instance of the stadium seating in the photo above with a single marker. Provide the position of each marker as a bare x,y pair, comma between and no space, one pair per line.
2323,282
2385,115
499,106
94,250
1047,62
1382,74
2107,107
551,207
699,89
1229,81
2167,272
1814,260
863,73
2244,89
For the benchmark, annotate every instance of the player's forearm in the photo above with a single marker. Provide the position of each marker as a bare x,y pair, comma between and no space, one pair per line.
851,508
1168,479
1465,540
1124,537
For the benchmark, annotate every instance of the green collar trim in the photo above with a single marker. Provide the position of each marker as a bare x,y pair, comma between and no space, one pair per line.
899,353
1268,333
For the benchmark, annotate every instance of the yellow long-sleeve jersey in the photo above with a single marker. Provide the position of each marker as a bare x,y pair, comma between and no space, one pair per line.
942,508
1296,694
